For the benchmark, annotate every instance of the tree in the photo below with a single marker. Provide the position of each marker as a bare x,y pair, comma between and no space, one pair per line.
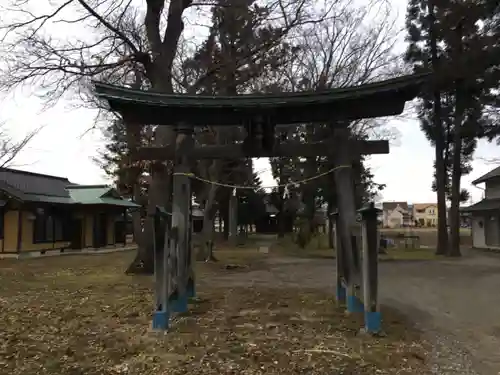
472,92
424,53
238,27
130,179
10,148
113,159
119,41
251,206
447,37
356,49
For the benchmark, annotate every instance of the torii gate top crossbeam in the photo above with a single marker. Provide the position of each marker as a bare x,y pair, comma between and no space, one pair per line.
377,99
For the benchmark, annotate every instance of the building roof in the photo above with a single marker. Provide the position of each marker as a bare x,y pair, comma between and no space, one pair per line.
36,187
491,174
484,205
29,186
386,206
423,206
98,194
377,99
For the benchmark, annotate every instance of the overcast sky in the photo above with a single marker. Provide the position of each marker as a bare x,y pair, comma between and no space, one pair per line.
65,147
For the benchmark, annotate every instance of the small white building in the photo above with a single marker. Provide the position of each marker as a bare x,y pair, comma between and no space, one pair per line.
485,215
396,214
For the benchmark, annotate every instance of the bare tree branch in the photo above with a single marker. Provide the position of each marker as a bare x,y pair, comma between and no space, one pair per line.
11,148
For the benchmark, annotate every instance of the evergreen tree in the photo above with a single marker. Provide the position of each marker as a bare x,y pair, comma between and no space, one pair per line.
241,48
251,206
446,37
114,161
112,157
424,53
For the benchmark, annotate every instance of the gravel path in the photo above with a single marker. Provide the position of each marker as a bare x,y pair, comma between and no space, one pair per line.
456,303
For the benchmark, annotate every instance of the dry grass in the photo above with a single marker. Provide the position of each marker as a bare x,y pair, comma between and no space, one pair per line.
82,315
427,236
318,248
409,254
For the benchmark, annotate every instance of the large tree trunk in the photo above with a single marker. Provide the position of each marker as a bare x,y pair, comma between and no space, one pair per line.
137,227
454,249
331,239
141,260
233,219
159,72
208,225
225,217
441,177
281,215
442,243
159,195
456,175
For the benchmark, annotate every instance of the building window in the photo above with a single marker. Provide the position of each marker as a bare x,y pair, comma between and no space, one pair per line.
47,228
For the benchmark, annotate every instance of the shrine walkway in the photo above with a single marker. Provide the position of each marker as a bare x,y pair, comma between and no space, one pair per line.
456,303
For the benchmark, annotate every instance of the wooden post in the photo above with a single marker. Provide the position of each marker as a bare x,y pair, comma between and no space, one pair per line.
233,218
181,202
340,293
370,269
347,218
191,290
124,229
161,314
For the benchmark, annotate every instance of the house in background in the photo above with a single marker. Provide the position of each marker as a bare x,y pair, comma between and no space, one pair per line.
396,215
485,215
41,213
425,214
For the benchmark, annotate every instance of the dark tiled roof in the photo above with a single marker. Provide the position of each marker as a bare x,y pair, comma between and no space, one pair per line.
125,94
348,103
392,205
484,205
32,186
35,187
491,174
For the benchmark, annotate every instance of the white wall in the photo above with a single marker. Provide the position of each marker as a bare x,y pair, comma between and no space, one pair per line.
395,219
478,235
492,189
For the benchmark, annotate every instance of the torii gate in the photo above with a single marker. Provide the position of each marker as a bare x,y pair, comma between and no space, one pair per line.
174,277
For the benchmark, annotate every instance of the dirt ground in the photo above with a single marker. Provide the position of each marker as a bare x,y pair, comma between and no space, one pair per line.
80,314
455,302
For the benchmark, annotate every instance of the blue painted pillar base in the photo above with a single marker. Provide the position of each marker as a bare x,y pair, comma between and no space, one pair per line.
340,294
354,304
373,321
161,320
180,304
190,290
